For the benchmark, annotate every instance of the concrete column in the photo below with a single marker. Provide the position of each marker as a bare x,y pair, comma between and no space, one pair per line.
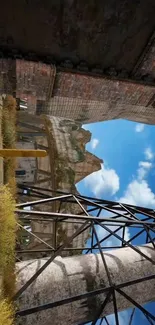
80,274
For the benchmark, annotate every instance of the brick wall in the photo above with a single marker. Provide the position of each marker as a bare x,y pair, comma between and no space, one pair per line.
77,96
34,82
101,89
101,99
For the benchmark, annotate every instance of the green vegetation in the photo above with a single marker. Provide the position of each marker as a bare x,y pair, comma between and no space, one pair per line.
7,216
63,173
7,240
75,146
6,313
70,175
75,127
7,254
9,140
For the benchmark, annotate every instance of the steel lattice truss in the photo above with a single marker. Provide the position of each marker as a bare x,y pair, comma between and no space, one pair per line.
114,217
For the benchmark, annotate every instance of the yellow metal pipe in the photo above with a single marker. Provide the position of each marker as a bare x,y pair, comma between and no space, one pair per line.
22,153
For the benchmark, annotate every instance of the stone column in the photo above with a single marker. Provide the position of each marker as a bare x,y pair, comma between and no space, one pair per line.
66,277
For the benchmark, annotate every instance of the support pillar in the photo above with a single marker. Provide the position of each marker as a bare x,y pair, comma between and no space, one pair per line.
66,277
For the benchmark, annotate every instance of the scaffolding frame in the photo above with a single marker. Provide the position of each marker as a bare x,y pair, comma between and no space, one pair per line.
121,217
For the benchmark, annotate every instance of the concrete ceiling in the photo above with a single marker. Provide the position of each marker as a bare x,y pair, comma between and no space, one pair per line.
111,33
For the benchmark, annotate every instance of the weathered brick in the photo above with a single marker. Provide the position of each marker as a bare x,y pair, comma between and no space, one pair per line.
101,89
101,98
77,96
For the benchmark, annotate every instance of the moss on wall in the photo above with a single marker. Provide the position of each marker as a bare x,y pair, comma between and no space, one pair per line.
75,147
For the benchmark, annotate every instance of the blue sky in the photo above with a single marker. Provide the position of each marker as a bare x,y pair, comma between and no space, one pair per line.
128,172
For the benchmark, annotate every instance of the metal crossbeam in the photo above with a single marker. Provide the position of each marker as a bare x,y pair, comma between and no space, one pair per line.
90,215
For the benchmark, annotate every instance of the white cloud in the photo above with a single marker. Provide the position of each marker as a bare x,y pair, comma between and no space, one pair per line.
148,153
144,167
139,127
104,181
139,193
145,164
94,143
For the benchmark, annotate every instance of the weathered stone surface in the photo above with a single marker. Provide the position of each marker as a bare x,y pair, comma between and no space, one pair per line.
146,66
73,85
68,162
109,34
81,97
80,274
92,99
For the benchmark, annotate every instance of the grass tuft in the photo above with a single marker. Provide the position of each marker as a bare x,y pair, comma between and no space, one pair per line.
9,117
8,229
6,313
8,226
